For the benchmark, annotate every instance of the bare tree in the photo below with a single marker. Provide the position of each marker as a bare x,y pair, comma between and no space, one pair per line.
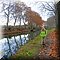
7,9
20,9
18,12
49,8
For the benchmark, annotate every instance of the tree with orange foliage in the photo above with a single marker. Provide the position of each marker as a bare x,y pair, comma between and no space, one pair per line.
32,16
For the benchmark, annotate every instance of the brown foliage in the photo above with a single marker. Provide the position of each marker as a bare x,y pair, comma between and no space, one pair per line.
34,17
54,46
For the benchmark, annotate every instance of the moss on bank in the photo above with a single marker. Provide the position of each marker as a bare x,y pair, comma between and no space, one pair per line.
29,50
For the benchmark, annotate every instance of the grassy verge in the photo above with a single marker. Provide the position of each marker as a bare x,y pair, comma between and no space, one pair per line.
29,50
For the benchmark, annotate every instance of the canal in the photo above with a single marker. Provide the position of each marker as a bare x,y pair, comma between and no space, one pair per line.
9,45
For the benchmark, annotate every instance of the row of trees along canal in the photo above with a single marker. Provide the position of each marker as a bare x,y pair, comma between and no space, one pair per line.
20,11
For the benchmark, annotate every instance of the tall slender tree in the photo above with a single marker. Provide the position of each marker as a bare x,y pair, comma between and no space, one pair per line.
7,9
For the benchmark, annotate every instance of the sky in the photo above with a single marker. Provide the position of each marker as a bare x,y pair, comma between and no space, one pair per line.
29,3
34,7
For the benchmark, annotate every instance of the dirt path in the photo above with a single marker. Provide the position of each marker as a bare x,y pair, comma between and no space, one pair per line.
50,49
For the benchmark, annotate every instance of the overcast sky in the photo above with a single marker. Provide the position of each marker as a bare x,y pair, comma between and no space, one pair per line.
35,7
29,3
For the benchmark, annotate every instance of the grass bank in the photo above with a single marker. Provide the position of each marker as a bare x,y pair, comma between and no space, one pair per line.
29,50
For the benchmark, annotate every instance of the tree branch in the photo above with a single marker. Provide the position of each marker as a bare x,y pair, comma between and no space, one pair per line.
48,8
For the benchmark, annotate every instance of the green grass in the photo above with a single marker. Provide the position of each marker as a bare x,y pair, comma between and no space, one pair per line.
29,50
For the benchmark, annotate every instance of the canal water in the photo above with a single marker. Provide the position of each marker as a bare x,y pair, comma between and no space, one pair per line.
10,45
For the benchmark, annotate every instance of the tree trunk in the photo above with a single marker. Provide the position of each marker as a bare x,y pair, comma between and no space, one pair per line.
8,18
24,24
14,22
7,21
20,23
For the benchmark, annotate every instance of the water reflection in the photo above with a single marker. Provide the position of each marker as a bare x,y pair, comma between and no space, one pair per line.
9,46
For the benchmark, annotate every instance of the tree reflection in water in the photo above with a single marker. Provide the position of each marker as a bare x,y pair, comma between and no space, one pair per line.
12,44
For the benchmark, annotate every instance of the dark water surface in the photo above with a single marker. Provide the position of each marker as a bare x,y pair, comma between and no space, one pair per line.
9,45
